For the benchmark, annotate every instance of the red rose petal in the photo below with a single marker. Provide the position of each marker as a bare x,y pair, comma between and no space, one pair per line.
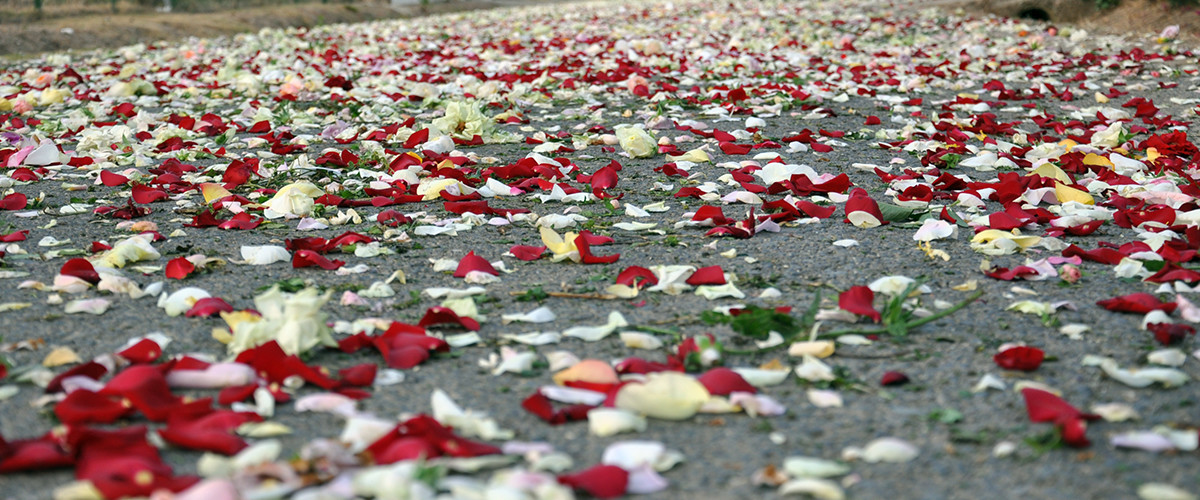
893,378
242,221
14,236
585,250
111,179
146,389
1170,333
1023,358
143,194
208,307
472,262
309,258
711,275
1137,303
179,268
15,201
1043,406
422,436
601,481
859,300
86,407
527,253
637,276
144,351
438,315
82,269
723,381
45,452
359,375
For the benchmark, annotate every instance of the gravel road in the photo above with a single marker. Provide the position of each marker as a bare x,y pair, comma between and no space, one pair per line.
676,69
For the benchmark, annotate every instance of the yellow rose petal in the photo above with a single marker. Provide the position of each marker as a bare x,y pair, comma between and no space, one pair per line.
213,191
60,356
1095,159
1066,194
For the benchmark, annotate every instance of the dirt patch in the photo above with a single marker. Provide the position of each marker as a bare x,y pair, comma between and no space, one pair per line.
114,30
1146,17
100,30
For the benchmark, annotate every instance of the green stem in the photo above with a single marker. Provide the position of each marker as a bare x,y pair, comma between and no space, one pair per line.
781,345
655,331
911,324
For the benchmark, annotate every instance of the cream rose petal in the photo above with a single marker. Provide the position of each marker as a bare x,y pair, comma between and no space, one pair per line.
611,421
814,467
890,449
594,333
636,141
664,395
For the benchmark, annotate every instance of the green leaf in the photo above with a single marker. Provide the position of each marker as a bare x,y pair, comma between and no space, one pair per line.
756,322
895,213
946,415
533,294
715,318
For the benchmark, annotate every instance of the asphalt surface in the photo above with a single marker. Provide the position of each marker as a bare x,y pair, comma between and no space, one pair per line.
944,359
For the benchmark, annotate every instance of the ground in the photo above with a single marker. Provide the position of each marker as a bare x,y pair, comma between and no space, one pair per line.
96,30
862,104
64,32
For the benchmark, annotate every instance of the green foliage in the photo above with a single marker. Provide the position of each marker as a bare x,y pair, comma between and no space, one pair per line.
946,416
1046,441
290,285
756,322
535,294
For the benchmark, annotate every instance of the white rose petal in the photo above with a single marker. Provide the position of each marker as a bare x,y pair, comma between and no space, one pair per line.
821,489
1163,491
540,315
891,450
824,398
639,340
469,423
264,254
90,306
594,333
181,300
